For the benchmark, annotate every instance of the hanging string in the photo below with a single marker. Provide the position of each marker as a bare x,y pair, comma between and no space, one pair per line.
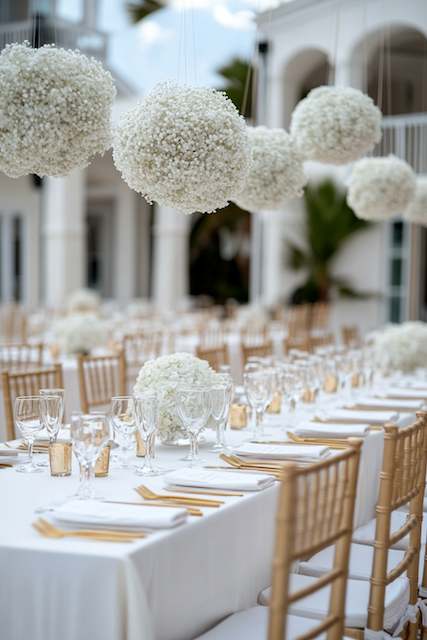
381,71
389,76
333,61
194,44
365,70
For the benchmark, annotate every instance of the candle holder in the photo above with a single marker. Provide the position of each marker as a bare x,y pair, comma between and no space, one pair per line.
238,416
140,447
102,465
275,405
330,384
60,458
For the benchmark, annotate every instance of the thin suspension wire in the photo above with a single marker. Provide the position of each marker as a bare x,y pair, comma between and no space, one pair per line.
389,76
381,71
365,70
194,44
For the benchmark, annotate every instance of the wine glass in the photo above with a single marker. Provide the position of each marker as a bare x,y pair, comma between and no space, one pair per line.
61,394
89,434
194,407
51,411
27,418
221,397
147,416
124,423
259,386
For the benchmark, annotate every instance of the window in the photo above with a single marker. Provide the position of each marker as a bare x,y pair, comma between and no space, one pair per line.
397,291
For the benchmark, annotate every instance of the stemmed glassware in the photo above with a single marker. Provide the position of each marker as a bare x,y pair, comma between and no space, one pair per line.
123,419
221,398
89,433
259,385
52,415
147,415
194,406
28,421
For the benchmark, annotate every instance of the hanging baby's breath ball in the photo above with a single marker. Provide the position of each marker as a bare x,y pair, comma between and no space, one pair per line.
55,110
336,125
276,172
380,188
184,147
416,212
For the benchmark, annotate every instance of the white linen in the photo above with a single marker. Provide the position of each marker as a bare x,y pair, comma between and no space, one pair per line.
282,451
408,394
408,406
337,430
125,516
359,416
212,479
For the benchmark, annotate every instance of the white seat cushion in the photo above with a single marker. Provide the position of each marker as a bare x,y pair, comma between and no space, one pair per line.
252,624
361,557
316,605
366,533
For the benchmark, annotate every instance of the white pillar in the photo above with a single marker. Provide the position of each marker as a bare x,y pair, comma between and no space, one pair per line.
65,235
171,261
273,272
125,244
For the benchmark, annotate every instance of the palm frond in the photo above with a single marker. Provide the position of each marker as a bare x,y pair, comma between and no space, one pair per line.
141,9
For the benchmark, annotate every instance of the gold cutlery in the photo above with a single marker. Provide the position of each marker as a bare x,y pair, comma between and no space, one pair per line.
192,511
147,494
203,492
4,465
330,443
252,462
48,530
251,466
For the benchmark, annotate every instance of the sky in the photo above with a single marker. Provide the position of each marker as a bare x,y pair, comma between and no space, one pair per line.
185,42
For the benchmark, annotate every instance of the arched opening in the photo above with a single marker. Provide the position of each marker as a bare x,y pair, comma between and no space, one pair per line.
307,69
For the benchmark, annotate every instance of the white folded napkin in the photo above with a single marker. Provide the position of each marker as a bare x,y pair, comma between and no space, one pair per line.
211,479
282,451
337,430
388,403
404,394
123,516
11,459
354,416
8,453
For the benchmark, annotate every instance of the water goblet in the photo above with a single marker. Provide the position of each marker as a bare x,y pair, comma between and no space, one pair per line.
221,398
28,421
123,419
259,392
147,416
89,434
194,406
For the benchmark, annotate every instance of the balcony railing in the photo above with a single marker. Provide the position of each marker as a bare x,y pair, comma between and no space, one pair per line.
406,137
67,35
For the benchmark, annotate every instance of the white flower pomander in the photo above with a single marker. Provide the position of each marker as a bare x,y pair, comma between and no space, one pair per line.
80,333
380,188
402,347
276,171
163,376
336,125
183,147
55,110
83,301
416,212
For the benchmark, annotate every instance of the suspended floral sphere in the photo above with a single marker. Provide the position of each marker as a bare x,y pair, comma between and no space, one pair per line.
416,212
55,110
276,172
336,125
183,147
380,188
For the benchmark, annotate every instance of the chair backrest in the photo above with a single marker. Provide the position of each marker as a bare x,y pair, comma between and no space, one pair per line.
27,383
402,482
315,511
13,323
350,336
298,319
216,356
20,357
320,312
138,348
100,378
263,350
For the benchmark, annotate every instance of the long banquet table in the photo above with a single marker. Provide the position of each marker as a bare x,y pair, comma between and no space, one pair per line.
171,586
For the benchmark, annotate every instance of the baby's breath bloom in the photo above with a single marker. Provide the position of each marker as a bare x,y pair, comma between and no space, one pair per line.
55,110
402,347
416,212
183,147
80,333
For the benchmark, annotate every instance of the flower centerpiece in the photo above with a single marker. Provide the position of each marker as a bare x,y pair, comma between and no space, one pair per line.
184,147
163,376
276,172
416,212
55,110
80,333
83,301
401,347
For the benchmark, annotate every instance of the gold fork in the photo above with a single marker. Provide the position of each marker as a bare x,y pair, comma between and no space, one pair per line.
148,494
240,465
331,443
48,530
192,510
253,462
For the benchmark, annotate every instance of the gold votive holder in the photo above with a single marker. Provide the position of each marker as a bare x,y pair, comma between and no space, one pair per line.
356,380
308,396
330,384
275,405
238,416
60,454
102,465
140,447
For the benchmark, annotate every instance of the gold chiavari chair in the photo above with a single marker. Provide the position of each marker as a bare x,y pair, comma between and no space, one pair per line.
298,319
216,356
100,378
20,357
13,323
315,510
319,317
394,548
27,383
350,336
138,348
262,350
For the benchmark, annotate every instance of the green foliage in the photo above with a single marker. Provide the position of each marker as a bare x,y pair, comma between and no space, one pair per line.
141,9
238,84
330,223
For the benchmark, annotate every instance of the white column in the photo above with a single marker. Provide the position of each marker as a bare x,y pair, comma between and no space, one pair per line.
65,235
125,244
171,261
